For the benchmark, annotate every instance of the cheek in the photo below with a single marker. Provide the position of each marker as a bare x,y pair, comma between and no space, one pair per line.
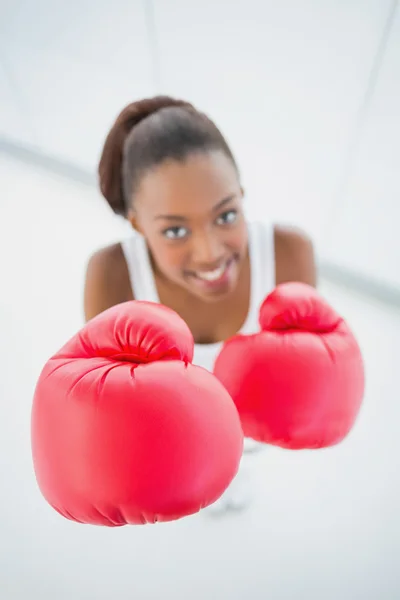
169,258
237,238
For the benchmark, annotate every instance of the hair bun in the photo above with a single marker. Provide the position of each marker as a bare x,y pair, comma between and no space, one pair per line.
110,165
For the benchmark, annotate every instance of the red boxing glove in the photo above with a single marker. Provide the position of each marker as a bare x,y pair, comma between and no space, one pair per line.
299,383
125,430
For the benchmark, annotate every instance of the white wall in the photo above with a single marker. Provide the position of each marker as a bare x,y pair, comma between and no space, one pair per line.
15,123
364,232
74,65
285,81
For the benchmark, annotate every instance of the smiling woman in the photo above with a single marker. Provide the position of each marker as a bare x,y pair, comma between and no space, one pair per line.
168,170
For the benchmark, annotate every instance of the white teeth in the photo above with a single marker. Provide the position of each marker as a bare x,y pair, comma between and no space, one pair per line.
212,275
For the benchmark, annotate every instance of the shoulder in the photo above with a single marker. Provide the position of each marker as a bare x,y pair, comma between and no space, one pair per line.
106,259
106,281
295,257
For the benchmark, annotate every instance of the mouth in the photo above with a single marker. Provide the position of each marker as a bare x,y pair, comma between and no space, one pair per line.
213,275
218,276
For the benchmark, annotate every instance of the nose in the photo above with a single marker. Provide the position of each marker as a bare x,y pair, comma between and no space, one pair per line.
207,251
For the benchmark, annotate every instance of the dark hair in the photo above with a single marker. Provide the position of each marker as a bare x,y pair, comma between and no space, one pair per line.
145,134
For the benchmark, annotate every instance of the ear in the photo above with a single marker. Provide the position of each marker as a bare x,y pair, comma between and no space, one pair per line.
133,220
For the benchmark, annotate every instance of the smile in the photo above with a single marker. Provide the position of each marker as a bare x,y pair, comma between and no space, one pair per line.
214,274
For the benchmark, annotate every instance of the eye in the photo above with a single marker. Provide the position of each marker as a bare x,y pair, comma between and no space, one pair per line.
228,217
175,233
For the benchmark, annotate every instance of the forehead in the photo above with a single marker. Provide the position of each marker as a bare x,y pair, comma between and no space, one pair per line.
193,186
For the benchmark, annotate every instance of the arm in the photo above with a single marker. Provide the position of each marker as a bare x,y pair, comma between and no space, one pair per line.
106,282
295,258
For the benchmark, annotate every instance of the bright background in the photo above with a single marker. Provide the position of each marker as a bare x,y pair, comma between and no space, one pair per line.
308,94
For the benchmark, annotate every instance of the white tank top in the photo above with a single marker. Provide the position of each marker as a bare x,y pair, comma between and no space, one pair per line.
262,268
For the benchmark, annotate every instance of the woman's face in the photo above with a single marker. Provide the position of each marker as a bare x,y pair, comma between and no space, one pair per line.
190,214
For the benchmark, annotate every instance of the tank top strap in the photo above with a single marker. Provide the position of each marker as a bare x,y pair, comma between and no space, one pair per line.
139,268
262,264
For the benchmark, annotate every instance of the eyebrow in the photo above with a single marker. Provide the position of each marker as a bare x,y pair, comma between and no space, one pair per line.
217,207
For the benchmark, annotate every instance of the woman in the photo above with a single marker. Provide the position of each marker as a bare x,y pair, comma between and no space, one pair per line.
168,170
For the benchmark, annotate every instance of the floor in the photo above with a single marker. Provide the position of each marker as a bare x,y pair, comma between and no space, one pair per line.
322,525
